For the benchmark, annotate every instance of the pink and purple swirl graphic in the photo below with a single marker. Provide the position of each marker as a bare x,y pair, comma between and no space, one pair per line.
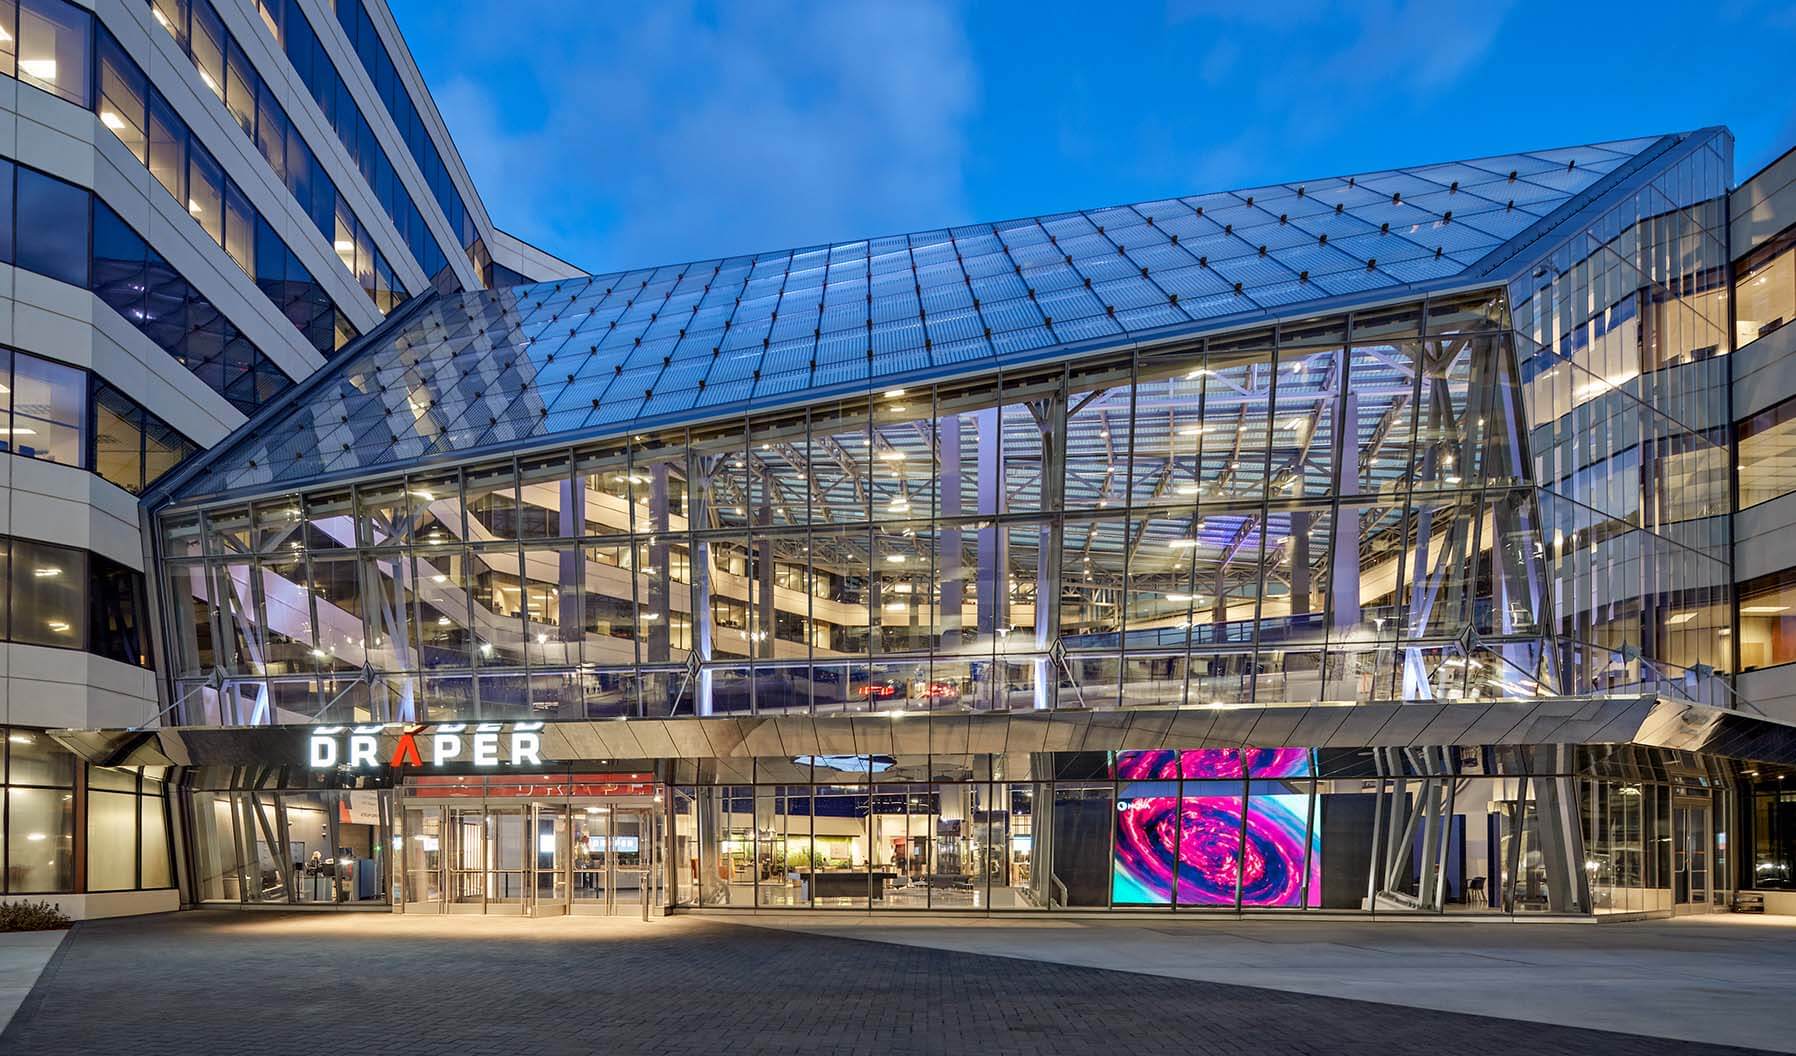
1210,763
1192,847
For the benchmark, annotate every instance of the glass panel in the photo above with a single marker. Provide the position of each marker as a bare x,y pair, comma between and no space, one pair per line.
48,601
40,840
54,42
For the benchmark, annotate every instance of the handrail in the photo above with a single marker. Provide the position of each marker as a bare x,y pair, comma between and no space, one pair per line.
1055,879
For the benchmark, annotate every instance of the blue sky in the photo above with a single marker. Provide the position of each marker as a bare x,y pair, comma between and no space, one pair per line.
642,134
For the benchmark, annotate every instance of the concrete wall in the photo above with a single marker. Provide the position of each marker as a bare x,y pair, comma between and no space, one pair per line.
110,903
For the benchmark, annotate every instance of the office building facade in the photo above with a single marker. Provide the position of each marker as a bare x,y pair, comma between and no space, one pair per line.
1362,544
200,205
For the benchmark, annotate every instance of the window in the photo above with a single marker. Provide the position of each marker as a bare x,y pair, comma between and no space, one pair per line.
1765,289
205,192
71,599
1768,454
118,438
55,39
117,613
1768,620
123,97
52,227
111,841
49,410
47,587
127,834
168,148
40,838
9,20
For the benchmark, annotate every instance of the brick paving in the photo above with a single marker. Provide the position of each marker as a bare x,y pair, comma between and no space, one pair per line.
219,982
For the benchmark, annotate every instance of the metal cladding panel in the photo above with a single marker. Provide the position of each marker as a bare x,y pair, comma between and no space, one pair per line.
1190,728
873,733
835,736
1064,733
1450,724
651,735
1275,726
1233,724
1546,719
798,735
1591,721
1624,721
761,737
1676,725
951,738
726,736
572,740
688,740
1407,721
1361,725
735,771
1016,735
1147,729
1494,725
1319,723
912,736
784,771
1109,731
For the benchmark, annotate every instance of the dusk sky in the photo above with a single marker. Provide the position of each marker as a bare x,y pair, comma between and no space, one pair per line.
669,131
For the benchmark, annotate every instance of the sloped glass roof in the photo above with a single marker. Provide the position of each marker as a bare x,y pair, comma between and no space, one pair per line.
491,370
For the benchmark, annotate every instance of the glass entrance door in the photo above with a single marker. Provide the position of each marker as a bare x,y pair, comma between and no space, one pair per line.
531,858
465,852
592,888
1692,836
421,860
613,859
549,892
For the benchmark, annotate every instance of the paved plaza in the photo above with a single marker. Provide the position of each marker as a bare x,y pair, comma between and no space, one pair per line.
275,983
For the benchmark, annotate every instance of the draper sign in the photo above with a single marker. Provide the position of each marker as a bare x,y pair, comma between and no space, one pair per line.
358,747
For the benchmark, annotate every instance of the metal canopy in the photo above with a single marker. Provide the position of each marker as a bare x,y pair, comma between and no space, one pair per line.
1646,721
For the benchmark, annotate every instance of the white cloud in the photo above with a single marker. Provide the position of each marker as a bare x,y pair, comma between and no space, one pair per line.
670,131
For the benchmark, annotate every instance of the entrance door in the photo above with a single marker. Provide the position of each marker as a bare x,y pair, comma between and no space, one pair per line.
422,860
508,872
592,889
1692,835
633,862
613,859
549,892
465,849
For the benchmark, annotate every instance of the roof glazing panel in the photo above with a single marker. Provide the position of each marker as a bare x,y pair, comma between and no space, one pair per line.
491,370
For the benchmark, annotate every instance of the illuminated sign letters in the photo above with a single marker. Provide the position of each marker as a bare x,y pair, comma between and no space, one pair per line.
486,744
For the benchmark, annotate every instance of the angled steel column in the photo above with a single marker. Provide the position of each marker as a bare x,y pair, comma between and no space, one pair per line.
994,542
1050,418
659,572
948,569
1344,583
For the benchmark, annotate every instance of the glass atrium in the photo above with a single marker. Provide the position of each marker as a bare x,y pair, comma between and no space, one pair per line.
1448,434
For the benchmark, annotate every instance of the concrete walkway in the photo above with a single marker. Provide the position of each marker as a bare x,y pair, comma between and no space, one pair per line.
23,955
206,982
1720,979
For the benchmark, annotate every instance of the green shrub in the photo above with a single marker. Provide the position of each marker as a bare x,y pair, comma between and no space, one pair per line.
31,916
798,860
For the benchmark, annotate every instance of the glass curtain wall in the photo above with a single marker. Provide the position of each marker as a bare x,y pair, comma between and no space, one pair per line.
1539,830
1317,511
1622,335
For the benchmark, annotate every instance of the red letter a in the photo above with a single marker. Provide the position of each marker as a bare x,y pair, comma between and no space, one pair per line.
407,749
